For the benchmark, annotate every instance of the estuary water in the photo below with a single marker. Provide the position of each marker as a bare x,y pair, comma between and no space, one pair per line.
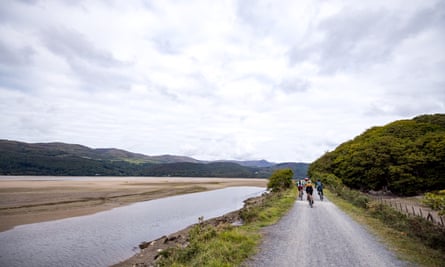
108,237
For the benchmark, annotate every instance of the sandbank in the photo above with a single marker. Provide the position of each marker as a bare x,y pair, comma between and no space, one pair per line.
25,200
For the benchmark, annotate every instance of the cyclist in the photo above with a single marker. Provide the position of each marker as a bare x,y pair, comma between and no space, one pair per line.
309,191
300,189
319,187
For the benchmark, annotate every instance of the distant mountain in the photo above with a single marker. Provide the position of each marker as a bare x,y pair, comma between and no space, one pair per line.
251,163
19,158
299,169
61,150
212,169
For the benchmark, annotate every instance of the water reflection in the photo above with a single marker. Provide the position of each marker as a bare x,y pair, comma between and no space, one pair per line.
108,237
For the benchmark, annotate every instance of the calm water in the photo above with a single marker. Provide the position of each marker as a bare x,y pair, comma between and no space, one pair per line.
109,237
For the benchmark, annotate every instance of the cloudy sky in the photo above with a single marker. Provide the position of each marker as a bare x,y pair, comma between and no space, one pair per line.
275,80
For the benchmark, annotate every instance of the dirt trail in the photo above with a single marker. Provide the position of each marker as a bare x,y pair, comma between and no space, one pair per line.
320,236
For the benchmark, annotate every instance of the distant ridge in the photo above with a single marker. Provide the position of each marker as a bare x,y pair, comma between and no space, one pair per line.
58,149
251,163
56,158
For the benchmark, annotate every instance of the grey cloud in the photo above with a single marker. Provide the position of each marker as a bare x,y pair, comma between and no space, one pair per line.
292,85
95,67
166,45
251,13
13,80
344,46
14,66
204,87
8,13
71,44
31,2
15,56
99,78
409,103
353,39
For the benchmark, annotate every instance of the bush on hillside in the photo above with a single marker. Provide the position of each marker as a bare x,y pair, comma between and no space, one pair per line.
280,180
436,201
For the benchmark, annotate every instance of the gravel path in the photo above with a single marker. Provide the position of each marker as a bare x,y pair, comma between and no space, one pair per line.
321,236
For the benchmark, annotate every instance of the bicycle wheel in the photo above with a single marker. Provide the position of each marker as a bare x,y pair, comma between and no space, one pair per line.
320,193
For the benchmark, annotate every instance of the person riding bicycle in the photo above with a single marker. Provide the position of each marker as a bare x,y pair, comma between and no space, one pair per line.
319,186
300,189
309,191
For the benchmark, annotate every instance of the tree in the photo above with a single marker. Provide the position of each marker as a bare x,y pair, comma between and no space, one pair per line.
281,179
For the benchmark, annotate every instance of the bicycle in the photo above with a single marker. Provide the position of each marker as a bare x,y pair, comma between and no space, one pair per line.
300,193
320,193
310,198
309,191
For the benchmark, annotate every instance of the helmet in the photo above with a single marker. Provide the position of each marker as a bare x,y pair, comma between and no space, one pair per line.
306,179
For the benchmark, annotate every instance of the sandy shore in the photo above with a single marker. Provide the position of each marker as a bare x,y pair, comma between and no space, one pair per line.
24,201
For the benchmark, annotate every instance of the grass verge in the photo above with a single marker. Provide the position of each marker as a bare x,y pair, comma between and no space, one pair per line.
396,230
228,245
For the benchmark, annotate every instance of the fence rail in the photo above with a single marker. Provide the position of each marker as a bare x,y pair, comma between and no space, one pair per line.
413,208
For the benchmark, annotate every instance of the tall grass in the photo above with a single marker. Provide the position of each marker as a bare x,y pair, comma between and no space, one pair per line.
228,245
413,238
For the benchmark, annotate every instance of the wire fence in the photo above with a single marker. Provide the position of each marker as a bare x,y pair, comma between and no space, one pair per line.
413,208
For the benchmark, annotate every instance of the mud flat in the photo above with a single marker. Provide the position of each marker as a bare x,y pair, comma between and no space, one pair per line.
25,200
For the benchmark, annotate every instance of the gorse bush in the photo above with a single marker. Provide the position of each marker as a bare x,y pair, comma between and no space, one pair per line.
436,201
280,180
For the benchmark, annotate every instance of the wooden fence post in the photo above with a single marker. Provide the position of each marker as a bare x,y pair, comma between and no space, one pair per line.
430,217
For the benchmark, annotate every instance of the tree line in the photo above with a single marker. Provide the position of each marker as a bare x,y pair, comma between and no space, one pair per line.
73,160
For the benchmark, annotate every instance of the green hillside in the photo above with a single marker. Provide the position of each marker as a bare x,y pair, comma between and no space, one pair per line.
18,158
406,157
62,150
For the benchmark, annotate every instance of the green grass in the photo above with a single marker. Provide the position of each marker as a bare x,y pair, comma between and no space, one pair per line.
230,245
393,229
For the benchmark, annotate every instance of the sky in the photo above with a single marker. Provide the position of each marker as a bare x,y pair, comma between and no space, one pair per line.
235,80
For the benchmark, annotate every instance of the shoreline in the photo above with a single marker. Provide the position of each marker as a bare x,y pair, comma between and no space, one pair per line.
150,251
33,201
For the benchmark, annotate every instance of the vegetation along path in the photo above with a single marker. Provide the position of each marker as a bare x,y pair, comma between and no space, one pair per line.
321,236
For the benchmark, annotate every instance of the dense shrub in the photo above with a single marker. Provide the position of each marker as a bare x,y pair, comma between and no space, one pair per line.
280,180
436,201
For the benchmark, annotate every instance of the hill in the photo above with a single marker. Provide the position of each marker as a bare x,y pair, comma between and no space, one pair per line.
61,150
407,157
19,158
